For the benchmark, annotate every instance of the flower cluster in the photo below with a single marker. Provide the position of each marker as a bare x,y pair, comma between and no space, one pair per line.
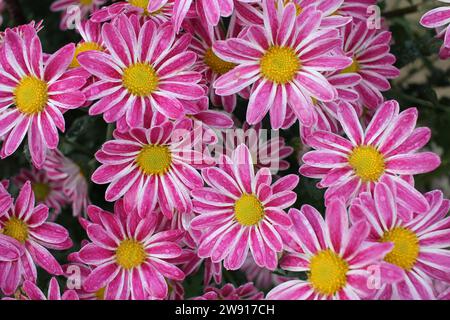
170,79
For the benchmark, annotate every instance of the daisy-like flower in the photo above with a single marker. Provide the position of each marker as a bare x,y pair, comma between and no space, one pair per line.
439,18
387,148
90,33
239,210
261,277
209,11
282,61
369,50
129,259
32,292
420,245
334,256
230,292
69,8
74,183
159,11
332,18
151,166
208,62
46,190
145,68
35,95
27,225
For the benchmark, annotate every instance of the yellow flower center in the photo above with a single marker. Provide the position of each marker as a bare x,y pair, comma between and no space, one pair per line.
31,95
406,247
83,47
216,64
328,272
41,191
143,4
367,162
86,2
100,294
280,64
353,68
17,229
130,254
154,159
248,210
140,79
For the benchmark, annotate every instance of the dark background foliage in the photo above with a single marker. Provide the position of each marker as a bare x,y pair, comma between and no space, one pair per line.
424,83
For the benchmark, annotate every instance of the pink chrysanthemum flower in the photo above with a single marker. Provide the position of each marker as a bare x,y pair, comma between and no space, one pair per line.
27,224
32,292
208,62
420,245
81,8
159,11
239,210
146,67
90,33
70,175
230,292
46,190
35,95
261,277
439,18
209,11
252,14
387,148
369,50
128,256
334,255
357,9
282,61
151,166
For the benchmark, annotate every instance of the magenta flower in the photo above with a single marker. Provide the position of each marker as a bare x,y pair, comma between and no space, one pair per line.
129,259
420,249
27,225
334,255
46,190
90,33
388,148
73,180
71,8
369,50
32,292
145,69
439,18
239,210
282,62
35,94
230,292
151,166
159,11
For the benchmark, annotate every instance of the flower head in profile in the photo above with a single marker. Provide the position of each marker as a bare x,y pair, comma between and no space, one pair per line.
73,180
46,190
74,10
33,292
334,255
421,245
230,292
439,18
369,50
150,167
282,61
35,94
128,258
145,68
159,11
26,224
239,210
387,149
